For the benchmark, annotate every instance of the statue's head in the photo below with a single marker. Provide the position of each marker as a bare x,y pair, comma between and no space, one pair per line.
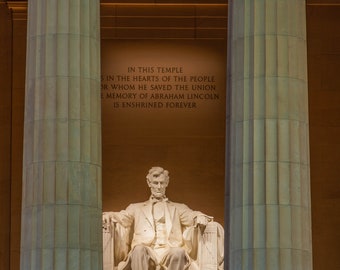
158,180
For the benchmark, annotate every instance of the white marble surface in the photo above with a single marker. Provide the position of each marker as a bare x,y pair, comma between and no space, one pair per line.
165,230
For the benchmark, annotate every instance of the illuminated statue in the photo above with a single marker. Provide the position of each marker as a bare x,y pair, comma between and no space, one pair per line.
160,234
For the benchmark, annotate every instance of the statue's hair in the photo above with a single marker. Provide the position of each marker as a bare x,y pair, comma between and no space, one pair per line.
159,170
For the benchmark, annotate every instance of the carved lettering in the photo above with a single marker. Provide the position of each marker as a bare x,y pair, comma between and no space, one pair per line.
159,87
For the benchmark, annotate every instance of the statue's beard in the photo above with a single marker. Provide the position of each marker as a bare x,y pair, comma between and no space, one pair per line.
157,193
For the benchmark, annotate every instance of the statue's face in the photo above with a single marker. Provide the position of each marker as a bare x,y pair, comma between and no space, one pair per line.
157,183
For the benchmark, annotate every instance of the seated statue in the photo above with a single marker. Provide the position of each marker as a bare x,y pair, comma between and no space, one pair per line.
161,234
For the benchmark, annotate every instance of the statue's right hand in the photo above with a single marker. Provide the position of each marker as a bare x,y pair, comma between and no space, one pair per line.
108,218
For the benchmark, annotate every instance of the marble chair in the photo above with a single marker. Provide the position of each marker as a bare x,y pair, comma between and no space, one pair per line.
205,246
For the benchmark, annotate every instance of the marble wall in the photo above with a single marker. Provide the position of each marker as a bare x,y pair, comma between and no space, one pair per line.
323,42
5,134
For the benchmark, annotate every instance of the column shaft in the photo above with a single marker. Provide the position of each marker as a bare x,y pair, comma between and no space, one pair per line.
61,210
270,216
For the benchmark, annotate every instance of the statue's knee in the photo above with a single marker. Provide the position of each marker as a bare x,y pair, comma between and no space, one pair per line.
138,251
177,253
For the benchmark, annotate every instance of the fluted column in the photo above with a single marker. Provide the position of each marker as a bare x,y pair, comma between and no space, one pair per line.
61,211
270,214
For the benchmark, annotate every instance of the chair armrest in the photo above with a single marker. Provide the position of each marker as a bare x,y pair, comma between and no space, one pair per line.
108,246
210,254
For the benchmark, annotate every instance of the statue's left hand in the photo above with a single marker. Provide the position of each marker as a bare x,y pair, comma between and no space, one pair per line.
203,220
